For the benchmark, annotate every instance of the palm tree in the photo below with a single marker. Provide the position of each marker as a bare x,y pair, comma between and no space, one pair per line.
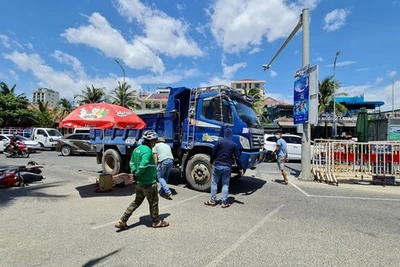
5,90
64,108
257,102
91,95
327,91
45,117
123,97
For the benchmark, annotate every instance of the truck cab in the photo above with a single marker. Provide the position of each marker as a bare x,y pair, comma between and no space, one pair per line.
46,137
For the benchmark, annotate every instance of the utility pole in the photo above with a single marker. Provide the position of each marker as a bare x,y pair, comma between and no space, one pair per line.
334,128
123,72
306,136
393,81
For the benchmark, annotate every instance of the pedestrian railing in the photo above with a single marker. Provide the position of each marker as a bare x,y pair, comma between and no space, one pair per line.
340,158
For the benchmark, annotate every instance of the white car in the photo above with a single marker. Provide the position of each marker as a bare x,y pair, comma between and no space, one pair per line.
293,143
31,145
1,147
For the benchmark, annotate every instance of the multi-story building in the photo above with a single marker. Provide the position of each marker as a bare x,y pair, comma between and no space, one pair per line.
45,95
243,84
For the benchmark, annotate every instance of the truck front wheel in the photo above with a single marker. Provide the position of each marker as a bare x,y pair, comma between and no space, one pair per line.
111,162
198,172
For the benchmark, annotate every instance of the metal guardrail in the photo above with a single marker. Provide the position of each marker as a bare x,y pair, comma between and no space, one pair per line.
339,158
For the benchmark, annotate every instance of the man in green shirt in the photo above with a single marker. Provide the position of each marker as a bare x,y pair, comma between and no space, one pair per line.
144,171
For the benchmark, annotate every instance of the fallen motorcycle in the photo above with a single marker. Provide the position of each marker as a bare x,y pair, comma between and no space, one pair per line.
20,150
20,175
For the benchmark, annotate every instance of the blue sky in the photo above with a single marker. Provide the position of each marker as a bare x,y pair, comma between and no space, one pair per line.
66,45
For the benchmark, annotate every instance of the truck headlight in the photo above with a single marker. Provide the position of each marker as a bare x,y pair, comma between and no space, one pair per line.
51,140
244,142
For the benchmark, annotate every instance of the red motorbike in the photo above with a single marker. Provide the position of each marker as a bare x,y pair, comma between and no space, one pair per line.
18,149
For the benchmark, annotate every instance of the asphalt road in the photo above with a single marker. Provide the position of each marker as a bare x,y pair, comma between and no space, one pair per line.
62,222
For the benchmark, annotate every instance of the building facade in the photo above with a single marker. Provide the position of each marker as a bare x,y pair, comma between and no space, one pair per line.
243,84
45,95
156,100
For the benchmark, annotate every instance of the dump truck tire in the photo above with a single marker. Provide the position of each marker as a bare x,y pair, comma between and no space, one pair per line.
111,162
198,172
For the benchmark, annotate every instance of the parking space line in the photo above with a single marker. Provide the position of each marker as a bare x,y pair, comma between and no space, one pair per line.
344,197
143,214
301,190
243,238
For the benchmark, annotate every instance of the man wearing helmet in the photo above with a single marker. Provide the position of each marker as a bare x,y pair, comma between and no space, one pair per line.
144,171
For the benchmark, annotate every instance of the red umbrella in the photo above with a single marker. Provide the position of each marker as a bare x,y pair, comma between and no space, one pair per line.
102,116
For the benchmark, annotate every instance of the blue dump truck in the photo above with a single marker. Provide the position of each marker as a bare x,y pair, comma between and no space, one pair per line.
194,119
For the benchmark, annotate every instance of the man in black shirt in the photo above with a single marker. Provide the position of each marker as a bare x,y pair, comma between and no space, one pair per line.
225,153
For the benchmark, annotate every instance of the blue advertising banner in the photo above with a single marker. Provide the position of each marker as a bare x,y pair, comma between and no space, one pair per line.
301,95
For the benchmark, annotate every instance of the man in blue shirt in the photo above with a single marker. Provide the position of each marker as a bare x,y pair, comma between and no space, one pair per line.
225,153
281,154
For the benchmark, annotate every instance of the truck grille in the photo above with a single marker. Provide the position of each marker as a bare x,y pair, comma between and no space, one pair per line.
257,138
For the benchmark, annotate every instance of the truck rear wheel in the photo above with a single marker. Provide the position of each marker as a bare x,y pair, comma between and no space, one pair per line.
198,172
111,162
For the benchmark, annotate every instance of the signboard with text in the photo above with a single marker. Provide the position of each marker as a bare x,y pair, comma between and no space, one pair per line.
301,95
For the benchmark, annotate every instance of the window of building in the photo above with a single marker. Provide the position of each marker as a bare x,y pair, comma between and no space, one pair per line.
164,105
212,110
257,85
238,86
156,105
148,105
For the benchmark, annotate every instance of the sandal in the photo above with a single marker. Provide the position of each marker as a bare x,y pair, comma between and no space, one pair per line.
286,182
225,206
169,196
160,224
210,203
121,225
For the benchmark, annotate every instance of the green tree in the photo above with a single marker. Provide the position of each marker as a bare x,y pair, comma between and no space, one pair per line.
14,111
64,107
255,97
122,96
91,95
44,116
327,90
5,90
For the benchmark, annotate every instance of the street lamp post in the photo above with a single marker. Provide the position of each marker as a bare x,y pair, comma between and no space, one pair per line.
334,94
393,82
123,72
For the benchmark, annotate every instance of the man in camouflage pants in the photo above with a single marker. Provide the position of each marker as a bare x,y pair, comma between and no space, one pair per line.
144,170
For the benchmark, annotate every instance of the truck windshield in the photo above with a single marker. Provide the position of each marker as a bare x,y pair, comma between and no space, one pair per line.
247,114
54,133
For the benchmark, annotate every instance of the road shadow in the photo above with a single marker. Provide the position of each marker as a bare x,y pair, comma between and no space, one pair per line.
245,185
282,182
95,261
293,171
145,220
89,190
30,191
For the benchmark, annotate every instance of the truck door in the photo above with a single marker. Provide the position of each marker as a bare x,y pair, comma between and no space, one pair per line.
211,118
41,136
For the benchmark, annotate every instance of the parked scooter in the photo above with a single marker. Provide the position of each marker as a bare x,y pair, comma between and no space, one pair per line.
19,149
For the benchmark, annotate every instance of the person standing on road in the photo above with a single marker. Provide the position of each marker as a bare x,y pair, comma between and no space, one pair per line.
144,171
225,153
164,162
281,154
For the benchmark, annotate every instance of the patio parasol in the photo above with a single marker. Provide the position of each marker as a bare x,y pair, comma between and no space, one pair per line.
102,116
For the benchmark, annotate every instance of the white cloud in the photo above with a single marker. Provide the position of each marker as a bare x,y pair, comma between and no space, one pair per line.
362,69
5,40
273,73
228,71
170,77
66,82
164,34
14,75
238,25
100,35
72,61
343,63
319,59
335,19
255,50
378,80
279,97
296,52
392,74
180,6
30,46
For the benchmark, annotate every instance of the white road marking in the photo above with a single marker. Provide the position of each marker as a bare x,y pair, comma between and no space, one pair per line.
301,190
142,214
344,197
243,238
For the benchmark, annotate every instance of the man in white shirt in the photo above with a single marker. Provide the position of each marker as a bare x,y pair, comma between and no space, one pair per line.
164,161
